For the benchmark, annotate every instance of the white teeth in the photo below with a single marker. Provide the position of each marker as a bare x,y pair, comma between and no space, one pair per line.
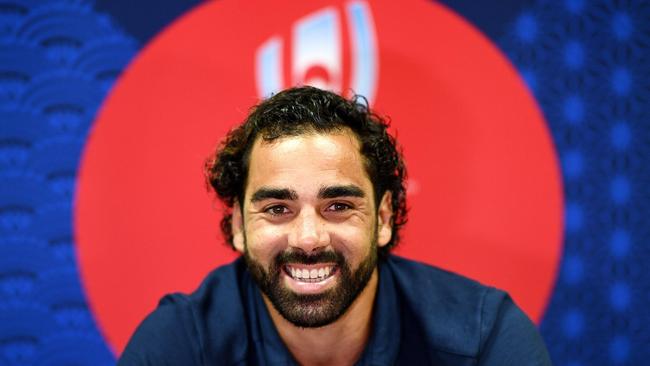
310,275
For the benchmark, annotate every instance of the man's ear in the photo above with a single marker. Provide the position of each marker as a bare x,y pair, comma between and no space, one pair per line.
237,227
385,219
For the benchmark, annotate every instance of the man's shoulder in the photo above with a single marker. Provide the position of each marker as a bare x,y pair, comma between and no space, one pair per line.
220,290
455,314
192,328
433,287
221,281
435,277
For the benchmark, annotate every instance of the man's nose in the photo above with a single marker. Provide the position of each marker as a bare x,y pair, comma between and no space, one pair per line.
308,232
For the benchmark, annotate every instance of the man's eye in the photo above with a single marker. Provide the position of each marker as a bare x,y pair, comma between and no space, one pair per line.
277,210
338,206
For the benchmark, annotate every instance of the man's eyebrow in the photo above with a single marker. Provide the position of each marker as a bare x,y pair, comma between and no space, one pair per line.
265,193
341,191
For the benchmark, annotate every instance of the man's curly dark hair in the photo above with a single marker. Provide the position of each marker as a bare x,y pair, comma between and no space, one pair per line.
301,110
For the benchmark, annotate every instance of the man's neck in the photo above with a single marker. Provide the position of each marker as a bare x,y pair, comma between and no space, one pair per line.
339,343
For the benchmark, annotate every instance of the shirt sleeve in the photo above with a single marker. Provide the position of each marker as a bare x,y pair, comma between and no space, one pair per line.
512,339
166,337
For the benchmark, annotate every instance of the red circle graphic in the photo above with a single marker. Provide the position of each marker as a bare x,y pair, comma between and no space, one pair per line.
484,190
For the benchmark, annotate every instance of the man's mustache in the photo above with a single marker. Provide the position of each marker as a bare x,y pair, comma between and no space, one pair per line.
296,256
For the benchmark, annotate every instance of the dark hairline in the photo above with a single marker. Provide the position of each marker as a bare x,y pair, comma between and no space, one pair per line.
336,130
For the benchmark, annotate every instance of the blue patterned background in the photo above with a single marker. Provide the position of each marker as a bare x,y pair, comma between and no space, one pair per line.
586,62
588,66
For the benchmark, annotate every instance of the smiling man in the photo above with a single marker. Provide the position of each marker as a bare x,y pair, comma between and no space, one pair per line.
314,187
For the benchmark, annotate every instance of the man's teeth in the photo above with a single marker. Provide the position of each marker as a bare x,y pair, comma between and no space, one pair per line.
317,274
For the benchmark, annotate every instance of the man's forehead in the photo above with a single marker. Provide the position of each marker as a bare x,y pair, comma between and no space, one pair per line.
318,159
341,136
336,144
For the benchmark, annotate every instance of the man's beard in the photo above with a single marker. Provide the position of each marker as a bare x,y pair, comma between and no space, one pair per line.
313,310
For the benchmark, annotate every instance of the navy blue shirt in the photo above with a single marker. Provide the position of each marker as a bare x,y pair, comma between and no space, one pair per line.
422,316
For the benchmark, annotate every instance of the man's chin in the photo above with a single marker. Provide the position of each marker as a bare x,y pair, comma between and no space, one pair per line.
311,310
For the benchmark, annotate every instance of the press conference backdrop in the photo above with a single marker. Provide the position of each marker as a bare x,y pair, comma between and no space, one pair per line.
523,123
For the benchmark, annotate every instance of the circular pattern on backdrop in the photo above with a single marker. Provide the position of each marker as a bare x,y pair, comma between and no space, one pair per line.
590,61
484,189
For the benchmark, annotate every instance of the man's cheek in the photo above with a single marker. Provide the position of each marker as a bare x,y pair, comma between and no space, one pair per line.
266,243
350,240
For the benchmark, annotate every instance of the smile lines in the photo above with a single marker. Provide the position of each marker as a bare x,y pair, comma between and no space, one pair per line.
310,275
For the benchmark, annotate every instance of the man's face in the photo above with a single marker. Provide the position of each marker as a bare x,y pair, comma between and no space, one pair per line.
310,226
